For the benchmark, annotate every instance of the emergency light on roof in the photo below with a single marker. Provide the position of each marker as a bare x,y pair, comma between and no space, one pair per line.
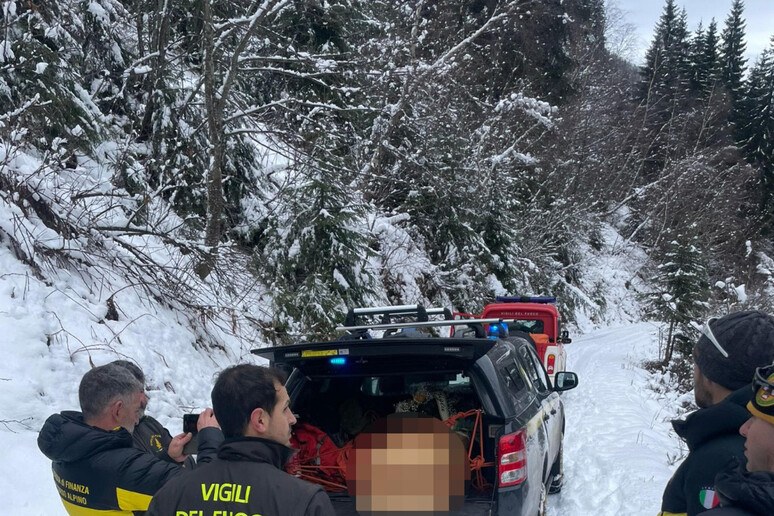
525,299
338,360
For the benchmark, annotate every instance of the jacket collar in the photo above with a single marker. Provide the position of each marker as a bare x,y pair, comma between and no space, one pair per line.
708,423
66,438
752,491
255,449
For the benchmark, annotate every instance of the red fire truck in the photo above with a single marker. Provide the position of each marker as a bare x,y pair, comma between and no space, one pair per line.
537,316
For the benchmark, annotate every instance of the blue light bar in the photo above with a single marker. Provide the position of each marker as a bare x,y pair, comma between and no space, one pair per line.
525,299
338,361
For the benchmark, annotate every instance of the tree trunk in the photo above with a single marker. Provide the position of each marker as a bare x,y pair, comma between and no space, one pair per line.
214,108
669,344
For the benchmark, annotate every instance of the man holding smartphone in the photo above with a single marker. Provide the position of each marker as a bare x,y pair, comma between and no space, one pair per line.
248,477
149,435
96,468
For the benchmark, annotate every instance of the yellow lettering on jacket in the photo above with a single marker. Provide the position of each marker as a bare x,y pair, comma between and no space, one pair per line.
225,493
79,488
81,500
71,493
227,513
207,491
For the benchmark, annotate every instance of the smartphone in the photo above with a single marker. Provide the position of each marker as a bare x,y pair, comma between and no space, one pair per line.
189,425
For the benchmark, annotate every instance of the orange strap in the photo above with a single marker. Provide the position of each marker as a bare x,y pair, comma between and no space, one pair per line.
476,463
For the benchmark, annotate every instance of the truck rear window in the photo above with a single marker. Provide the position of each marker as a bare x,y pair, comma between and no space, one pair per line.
527,326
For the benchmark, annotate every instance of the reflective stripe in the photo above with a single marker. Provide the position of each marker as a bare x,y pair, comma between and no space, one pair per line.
131,501
77,510
665,513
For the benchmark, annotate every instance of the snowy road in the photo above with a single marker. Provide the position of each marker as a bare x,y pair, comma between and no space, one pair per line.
617,447
617,444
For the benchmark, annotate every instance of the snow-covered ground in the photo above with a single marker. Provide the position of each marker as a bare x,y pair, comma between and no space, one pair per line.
619,452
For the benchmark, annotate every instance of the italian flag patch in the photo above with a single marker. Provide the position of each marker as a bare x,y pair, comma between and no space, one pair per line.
708,498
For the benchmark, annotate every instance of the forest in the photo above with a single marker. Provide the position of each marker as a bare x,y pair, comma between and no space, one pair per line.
266,164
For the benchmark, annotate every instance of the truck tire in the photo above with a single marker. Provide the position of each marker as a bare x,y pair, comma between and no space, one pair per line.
557,471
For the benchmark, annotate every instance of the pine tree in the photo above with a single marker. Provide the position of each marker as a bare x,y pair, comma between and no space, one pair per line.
313,255
682,290
40,92
705,59
732,51
666,70
757,125
665,89
695,55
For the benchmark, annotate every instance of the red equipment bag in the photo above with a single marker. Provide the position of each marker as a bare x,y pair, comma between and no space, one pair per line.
318,457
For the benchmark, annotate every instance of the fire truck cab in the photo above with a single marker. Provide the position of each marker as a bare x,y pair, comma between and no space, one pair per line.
539,317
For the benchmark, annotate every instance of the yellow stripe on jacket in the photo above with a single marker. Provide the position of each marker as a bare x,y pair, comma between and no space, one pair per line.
79,510
131,501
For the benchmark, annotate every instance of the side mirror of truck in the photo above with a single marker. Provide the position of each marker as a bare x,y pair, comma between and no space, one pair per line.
565,380
564,338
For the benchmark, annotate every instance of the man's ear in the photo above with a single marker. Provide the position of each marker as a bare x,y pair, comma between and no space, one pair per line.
115,408
259,421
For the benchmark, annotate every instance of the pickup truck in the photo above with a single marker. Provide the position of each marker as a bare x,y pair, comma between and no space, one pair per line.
538,317
491,399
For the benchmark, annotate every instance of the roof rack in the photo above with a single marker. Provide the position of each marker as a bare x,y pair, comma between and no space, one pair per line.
423,324
387,312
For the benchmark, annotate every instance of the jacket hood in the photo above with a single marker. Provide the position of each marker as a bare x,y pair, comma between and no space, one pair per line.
255,449
725,418
66,438
753,492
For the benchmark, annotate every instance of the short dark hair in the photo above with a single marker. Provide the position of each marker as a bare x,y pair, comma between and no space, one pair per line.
132,368
241,389
103,385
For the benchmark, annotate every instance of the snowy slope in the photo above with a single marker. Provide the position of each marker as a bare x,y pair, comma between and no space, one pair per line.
618,447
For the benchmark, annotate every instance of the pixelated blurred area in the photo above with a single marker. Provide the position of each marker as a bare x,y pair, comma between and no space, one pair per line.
408,464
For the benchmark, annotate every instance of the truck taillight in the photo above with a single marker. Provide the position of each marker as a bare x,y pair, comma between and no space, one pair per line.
551,363
512,458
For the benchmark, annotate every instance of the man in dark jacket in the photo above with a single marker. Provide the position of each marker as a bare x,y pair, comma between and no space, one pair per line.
96,468
253,409
149,435
749,491
726,357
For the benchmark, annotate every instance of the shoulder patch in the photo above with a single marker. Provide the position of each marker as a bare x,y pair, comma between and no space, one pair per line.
764,397
708,498
155,442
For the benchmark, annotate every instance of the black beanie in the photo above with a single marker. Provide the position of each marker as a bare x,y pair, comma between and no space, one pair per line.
747,337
